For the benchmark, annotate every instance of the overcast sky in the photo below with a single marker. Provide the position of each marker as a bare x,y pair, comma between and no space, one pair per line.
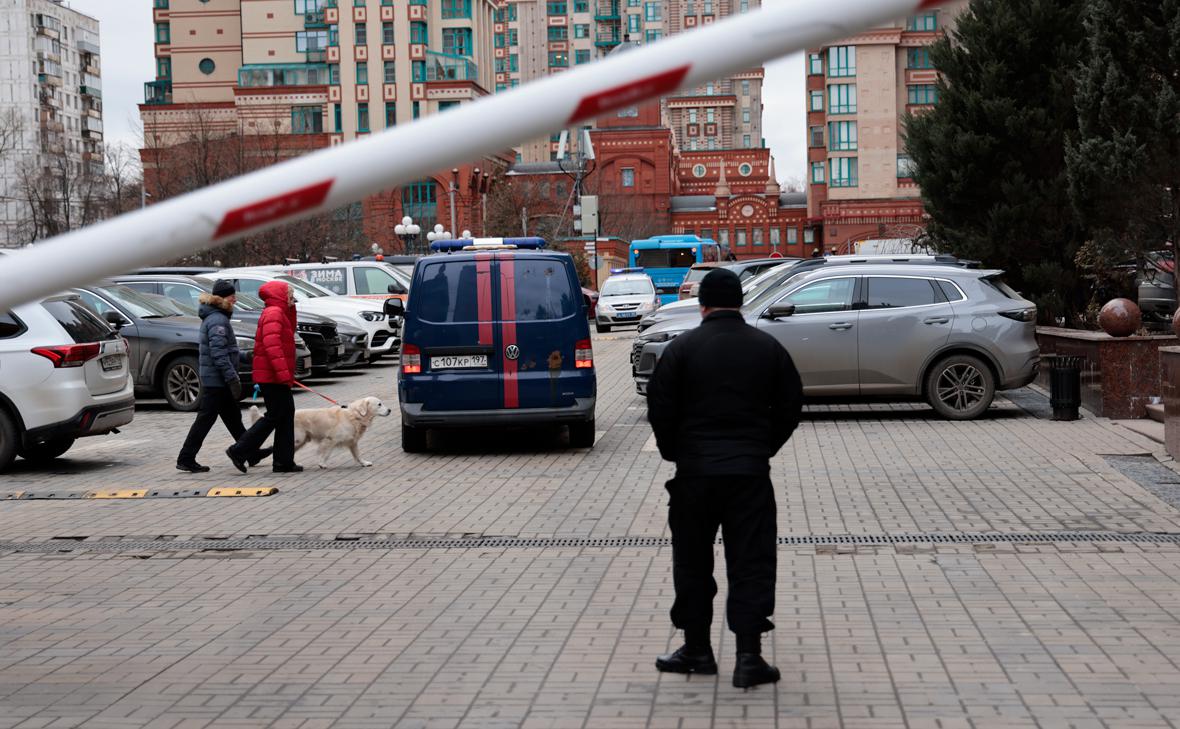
128,61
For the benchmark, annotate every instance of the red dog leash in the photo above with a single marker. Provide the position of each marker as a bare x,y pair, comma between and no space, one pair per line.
305,387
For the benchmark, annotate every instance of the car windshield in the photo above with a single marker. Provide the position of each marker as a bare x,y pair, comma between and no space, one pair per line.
627,287
696,274
766,287
303,290
249,302
139,305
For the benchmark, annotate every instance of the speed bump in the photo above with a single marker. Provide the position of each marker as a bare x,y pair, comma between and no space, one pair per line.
118,494
239,491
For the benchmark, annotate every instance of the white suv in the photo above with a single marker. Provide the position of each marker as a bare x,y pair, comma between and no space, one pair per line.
65,376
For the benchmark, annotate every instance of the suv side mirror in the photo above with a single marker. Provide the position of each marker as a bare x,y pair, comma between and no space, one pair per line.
394,307
779,311
396,288
115,319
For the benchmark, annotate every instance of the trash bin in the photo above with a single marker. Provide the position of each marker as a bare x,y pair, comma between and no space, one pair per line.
1065,386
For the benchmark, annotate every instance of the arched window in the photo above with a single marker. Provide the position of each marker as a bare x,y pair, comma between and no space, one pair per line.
420,201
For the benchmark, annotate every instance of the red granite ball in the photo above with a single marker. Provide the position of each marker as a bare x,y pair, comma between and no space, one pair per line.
1120,318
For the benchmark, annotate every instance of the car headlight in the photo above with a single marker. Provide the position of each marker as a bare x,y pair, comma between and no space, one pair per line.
657,337
647,307
373,315
605,307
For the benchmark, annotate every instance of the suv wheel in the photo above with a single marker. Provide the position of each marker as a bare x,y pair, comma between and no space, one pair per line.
413,439
182,384
8,437
960,387
47,451
582,434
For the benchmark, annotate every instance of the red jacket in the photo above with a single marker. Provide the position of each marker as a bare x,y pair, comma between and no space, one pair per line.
274,341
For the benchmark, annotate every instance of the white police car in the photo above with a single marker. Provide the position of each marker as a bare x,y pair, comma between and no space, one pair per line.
626,297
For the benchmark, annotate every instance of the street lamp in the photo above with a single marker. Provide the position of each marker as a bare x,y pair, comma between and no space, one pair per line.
439,234
408,231
466,235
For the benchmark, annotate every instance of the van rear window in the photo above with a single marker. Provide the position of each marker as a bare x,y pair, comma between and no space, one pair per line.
543,290
79,322
447,293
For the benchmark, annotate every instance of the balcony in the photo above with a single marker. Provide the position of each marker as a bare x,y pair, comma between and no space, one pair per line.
315,19
157,92
94,91
256,75
447,67
608,36
88,47
607,10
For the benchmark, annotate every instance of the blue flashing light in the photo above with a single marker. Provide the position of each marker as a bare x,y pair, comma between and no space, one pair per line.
459,244
636,269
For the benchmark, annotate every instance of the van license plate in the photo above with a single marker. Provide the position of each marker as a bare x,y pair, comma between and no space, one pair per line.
459,362
111,362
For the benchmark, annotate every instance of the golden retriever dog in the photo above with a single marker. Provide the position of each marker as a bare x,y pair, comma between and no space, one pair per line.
332,428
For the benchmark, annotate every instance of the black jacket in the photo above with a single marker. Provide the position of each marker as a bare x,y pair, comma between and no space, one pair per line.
218,354
724,398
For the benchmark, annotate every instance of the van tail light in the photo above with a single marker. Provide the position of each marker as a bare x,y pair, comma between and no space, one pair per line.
1022,315
583,355
411,359
69,355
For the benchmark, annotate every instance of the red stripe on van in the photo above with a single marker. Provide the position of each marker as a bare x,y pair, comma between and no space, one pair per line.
508,329
483,284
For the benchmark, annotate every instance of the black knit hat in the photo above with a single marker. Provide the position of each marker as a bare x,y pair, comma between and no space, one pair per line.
721,289
223,288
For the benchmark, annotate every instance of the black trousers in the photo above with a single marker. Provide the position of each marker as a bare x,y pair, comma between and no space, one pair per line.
743,507
215,402
279,419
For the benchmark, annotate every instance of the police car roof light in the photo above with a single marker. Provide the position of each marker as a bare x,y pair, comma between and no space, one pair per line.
636,269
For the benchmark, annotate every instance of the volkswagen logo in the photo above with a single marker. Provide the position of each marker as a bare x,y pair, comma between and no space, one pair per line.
512,351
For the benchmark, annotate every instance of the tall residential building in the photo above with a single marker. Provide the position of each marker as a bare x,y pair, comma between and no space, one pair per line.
313,73
858,91
50,113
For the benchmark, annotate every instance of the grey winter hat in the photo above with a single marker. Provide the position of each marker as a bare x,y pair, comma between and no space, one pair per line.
721,289
223,288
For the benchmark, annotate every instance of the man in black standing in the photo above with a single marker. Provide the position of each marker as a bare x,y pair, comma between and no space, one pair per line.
723,400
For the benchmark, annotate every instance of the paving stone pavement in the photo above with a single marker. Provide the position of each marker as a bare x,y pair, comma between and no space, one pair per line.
1055,633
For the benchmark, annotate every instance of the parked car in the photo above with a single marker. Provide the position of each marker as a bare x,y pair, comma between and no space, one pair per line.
66,376
383,331
521,357
319,333
624,298
590,299
164,345
357,279
948,334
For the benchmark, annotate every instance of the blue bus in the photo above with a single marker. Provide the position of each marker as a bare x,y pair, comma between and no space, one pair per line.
667,258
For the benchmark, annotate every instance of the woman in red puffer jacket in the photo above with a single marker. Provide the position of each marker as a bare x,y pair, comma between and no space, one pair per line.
274,373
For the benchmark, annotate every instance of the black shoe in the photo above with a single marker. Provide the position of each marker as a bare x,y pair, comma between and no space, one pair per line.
191,467
260,456
238,461
688,659
291,468
751,669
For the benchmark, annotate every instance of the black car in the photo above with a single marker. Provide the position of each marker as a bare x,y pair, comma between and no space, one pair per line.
163,345
318,332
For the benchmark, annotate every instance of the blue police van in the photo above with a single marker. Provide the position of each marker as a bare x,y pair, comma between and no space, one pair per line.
495,334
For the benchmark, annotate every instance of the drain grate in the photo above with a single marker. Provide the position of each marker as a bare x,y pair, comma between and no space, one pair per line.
222,544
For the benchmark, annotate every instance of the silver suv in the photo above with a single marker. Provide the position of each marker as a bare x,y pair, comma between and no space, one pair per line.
951,335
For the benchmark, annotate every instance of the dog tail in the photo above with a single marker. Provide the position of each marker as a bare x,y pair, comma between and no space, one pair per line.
255,414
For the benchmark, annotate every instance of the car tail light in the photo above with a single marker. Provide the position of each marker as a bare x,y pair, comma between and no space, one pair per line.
69,355
1022,315
583,355
411,359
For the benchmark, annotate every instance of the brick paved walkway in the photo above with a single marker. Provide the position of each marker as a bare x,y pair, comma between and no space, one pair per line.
920,634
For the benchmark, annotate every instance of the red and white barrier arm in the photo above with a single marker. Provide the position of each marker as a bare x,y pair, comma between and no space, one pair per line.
330,178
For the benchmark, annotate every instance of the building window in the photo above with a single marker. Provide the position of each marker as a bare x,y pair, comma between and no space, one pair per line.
792,236
652,36
923,94
743,6
207,66
456,9
444,105
724,233
559,59
710,115
775,238
338,117
842,61
817,173
556,7
514,63
653,11
307,120
817,101
918,58
690,8
415,110
710,89
333,36
418,71
558,33
842,99
457,41
633,24
741,238
390,76
843,172
808,235
163,33
815,136
582,55
362,117
387,33
311,40
708,10
334,74
164,68
582,30
712,142
581,6
692,116
922,22
842,136
390,114
419,200
499,40
745,116
815,64
419,33
362,34
745,88
513,34
628,177
362,73
905,167
757,237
